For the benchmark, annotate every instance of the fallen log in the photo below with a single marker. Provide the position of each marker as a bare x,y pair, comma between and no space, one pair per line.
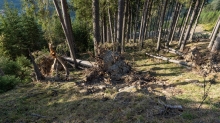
183,63
170,50
82,63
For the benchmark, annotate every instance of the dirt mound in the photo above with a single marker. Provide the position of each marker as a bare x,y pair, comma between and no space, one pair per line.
112,69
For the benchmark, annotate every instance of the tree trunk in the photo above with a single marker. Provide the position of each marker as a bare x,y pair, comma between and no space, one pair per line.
124,26
214,35
143,22
189,27
173,22
120,24
67,27
216,46
136,22
196,21
67,22
161,25
96,31
175,25
185,24
110,25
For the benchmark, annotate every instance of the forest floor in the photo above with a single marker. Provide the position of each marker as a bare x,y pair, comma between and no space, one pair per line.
66,102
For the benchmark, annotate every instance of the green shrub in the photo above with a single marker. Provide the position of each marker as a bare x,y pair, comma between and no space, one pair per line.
21,68
8,82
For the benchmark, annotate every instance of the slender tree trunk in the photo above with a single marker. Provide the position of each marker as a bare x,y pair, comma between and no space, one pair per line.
161,25
214,35
136,22
175,25
110,25
185,24
181,25
143,22
96,32
172,24
120,24
196,21
189,27
129,24
124,26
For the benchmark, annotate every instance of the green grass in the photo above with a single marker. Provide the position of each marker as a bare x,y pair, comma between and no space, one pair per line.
62,101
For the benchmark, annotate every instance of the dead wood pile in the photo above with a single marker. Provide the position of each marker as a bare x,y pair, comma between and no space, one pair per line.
204,60
112,69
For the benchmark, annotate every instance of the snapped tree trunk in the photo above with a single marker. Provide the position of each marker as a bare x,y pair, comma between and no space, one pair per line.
96,31
161,25
120,24
39,76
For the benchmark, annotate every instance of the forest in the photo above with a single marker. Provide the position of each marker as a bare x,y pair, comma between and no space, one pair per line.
110,61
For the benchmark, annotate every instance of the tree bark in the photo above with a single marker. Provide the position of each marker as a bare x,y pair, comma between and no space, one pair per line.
161,25
189,27
120,24
96,27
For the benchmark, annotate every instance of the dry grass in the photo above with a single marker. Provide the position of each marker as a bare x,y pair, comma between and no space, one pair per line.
63,103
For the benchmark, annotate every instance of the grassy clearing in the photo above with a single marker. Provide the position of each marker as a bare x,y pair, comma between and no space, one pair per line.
62,101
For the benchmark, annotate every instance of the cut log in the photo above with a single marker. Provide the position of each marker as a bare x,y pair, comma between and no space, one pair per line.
183,63
173,51
82,63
